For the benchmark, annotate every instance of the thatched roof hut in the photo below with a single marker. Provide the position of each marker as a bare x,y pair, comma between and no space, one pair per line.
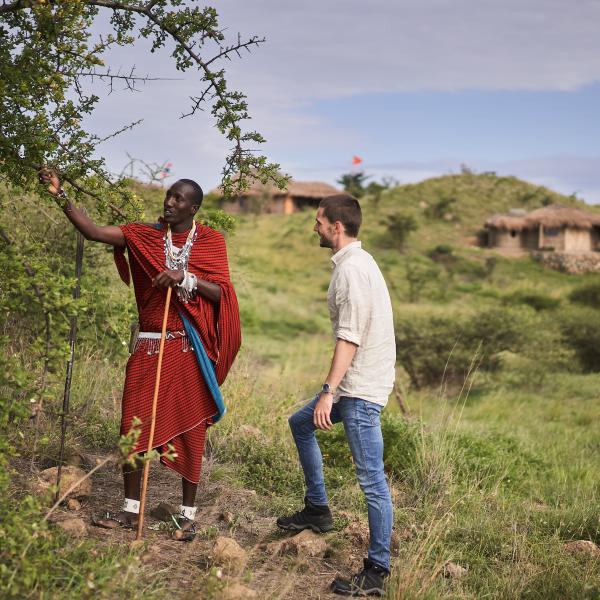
554,215
270,199
554,227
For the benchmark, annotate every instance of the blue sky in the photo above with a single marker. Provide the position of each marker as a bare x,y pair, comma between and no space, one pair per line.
415,87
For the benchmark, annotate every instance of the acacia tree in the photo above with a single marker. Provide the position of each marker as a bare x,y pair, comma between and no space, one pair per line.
49,54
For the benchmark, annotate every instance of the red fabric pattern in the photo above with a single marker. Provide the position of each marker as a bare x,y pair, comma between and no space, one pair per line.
184,402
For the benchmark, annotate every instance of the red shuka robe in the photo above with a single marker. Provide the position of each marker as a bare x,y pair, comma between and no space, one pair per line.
185,405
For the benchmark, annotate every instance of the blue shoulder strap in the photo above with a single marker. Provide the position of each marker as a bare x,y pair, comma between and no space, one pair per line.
206,366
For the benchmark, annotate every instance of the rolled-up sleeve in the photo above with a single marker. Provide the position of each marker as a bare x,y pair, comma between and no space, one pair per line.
352,301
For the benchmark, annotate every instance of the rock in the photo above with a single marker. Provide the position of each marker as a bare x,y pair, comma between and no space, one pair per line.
304,544
163,511
454,571
229,555
73,504
227,517
69,475
237,591
583,547
75,526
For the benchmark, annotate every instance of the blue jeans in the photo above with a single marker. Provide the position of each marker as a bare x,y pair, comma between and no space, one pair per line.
363,432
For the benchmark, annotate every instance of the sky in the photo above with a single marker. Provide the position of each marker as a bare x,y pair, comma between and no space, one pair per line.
416,88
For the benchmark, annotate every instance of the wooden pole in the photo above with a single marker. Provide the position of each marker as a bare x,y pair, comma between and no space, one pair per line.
163,335
69,374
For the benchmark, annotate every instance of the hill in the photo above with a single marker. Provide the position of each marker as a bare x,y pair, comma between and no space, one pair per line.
494,467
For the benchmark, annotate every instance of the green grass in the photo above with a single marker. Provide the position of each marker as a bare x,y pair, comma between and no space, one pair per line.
497,465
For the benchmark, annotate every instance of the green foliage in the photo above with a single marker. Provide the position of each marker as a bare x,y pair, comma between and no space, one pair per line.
354,183
398,227
441,207
44,106
449,347
492,460
581,332
420,272
263,466
587,294
536,300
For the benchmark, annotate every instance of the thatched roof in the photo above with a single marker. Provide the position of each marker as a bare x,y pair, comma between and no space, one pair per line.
311,189
559,215
300,189
554,215
506,222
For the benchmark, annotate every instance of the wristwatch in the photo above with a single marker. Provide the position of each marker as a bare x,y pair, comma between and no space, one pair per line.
326,389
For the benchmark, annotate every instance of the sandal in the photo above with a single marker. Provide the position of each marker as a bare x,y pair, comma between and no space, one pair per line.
108,516
181,534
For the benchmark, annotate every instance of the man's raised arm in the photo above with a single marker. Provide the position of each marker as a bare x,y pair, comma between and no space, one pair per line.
108,234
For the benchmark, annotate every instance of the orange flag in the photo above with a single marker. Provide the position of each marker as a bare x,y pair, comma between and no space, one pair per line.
356,160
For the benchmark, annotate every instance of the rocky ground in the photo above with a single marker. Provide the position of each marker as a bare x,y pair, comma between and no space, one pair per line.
238,553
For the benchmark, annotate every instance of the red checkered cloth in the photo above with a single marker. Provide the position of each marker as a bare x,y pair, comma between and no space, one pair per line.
185,405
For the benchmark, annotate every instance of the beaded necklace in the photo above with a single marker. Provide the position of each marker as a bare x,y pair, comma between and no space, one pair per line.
177,260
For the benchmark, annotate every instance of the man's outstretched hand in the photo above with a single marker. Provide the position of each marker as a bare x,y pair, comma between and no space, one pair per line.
167,278
49,177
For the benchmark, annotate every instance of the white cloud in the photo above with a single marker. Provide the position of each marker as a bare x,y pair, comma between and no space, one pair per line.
327,50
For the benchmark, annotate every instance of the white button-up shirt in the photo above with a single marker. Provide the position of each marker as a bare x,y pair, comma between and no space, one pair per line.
361,312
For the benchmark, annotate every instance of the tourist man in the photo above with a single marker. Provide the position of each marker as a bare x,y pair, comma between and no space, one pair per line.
354,392
203,335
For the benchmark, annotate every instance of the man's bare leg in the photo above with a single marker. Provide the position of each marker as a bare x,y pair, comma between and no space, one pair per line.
132,478
188,499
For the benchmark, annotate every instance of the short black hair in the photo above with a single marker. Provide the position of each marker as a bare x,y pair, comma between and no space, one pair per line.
198,194
345,209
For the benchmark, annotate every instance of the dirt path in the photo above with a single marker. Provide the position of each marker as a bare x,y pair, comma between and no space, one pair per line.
183,567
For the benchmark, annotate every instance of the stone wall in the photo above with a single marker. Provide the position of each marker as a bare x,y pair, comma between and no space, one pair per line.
582,262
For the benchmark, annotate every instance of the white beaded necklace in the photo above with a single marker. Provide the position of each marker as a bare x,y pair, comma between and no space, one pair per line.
177,260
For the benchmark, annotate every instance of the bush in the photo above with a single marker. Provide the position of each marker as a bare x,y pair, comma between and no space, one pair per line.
587,294
401,440
581,332
536,300
432,348
398,227
263,466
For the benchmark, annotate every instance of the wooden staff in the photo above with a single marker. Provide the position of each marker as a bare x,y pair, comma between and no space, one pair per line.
163,336
68,376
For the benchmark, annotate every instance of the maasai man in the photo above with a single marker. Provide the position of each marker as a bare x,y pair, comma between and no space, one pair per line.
203,335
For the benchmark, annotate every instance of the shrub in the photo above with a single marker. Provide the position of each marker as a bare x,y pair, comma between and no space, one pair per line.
431,348
536,300
581,332
398,227
401,440
263,466
587,294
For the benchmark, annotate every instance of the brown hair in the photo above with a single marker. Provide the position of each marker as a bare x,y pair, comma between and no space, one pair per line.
345,209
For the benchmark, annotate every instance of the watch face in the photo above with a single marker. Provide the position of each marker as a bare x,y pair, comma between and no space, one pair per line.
326,387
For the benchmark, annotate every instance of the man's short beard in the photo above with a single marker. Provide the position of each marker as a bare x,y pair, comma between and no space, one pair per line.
325,243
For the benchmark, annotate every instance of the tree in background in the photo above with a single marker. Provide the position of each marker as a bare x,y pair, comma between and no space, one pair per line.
49,51
354,183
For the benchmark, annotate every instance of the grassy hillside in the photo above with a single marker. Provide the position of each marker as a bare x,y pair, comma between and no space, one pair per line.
495,468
